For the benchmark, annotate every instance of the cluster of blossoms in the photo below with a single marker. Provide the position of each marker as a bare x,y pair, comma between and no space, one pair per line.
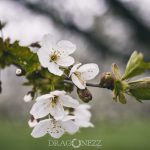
56,112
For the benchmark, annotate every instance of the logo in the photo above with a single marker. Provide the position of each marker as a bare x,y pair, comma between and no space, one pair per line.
76,143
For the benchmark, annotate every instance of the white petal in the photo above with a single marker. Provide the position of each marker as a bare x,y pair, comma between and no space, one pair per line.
77,82
65,61
68,117
27,98
82,112
82,123
54,68
74,68
48,42
66,47
34,49
32,123
57,93
89,71
56,131
57,111
40,109
84,106
41,128
43,97
70,126
68,101
43,58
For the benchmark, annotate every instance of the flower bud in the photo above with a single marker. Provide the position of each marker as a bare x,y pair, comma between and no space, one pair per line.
20,72
84,94
32,122
29,96
107,80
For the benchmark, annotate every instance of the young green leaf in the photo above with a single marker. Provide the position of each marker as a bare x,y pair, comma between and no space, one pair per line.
140,89
122,98
135,66
116,71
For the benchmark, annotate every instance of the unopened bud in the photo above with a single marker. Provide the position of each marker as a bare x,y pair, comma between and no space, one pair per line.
84,94
29,96
32,122
107,80
20,72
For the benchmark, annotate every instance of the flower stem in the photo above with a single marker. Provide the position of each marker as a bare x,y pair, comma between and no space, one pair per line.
87,84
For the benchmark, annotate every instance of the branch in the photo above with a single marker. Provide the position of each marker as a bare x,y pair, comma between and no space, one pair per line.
87,84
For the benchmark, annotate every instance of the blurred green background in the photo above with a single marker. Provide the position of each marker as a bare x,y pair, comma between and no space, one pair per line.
130,134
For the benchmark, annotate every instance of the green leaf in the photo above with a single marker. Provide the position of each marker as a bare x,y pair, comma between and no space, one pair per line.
140,89
140,93
135,66
116,71
122,98
21,56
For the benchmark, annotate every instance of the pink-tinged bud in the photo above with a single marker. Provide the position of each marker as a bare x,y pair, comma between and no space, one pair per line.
107,80
84,94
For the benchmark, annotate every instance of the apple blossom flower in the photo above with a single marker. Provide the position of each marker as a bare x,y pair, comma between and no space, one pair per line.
80,74
52,103
56,128
53,55
82,115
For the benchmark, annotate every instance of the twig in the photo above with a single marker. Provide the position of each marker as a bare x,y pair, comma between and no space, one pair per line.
87,84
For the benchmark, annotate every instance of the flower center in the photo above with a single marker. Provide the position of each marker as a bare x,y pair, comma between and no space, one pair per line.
71,111
54,57
54,101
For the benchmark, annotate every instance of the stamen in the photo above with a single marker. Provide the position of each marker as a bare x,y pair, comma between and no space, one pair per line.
55,56
54,101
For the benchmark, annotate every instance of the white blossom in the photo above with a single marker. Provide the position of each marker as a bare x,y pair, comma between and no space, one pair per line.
53,55
80,74
52,104
55,128
82,115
